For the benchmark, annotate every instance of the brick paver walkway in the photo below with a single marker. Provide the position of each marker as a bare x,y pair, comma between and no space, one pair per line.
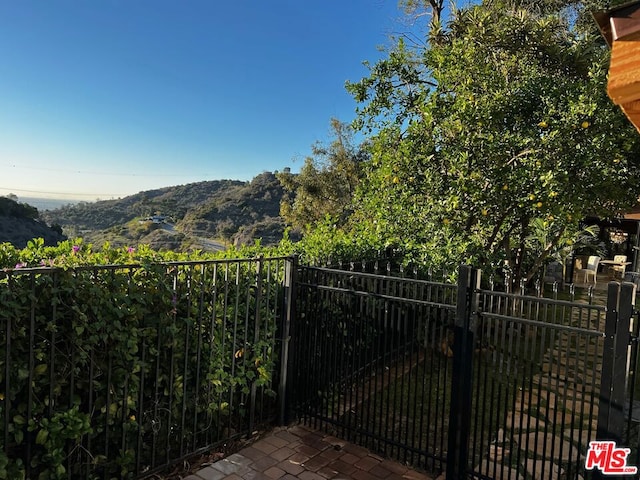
300,453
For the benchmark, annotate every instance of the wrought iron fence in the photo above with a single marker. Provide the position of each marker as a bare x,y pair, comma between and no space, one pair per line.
536,373
477,383
372,356
118,371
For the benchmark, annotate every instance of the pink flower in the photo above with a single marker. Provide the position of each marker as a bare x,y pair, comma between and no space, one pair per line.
130,250
20,265
75,248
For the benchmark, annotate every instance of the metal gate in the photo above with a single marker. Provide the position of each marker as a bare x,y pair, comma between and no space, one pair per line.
460,380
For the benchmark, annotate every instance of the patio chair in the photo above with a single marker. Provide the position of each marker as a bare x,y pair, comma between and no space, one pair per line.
591,270
619,268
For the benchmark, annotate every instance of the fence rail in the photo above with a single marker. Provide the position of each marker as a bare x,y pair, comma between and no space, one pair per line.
119,371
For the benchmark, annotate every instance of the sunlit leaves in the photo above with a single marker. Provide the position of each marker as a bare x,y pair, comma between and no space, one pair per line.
506,121
326,183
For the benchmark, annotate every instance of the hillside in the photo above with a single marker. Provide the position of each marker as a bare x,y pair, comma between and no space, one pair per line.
173,202
19,223
195,215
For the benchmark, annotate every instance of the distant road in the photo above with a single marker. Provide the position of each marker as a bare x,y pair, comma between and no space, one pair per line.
206,243
211,245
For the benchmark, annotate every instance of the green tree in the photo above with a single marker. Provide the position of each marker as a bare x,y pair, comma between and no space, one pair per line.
326,183
500,120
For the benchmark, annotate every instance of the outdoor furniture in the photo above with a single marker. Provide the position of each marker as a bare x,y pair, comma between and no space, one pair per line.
591,270
617,265
620,268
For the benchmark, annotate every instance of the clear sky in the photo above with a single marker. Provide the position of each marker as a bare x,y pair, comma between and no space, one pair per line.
107,98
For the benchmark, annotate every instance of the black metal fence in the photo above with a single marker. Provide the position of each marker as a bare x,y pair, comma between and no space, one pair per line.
372,361
117,371
458,379
534,375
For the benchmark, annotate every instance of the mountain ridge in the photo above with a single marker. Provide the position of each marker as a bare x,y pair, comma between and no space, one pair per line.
230,211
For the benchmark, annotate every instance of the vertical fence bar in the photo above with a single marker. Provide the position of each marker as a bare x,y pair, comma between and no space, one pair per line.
199,326
172,360
7,372
32,327
284,410
213,302
609,412
107,412
622,354
52,345
140,408
156,390
256,335
459,418
245,346
186,324
234,351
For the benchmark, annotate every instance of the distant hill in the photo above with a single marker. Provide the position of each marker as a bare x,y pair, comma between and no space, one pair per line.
187,216
20,222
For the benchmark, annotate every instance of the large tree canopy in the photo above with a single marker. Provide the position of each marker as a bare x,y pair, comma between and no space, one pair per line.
326,183
499,122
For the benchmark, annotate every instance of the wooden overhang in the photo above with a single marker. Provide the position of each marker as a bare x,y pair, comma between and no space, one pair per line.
620,27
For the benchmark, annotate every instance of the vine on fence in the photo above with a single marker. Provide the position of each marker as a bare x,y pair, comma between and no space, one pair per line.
118,369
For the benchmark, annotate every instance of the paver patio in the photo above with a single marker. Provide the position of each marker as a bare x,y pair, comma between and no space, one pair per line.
298,452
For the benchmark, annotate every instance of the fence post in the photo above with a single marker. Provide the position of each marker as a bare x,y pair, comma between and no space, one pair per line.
461,383
285,328
621,364
615,367
616,342
606,384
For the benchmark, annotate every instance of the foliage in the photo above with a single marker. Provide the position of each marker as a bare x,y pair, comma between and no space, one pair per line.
115,366
328,245
326,183
499,122
558,246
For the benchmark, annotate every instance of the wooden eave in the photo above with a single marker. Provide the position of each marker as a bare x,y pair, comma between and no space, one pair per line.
621,29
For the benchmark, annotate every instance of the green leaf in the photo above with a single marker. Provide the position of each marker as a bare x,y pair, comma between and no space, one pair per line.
42,436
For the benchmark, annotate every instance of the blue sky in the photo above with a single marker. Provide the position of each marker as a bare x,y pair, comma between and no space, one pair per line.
107,98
